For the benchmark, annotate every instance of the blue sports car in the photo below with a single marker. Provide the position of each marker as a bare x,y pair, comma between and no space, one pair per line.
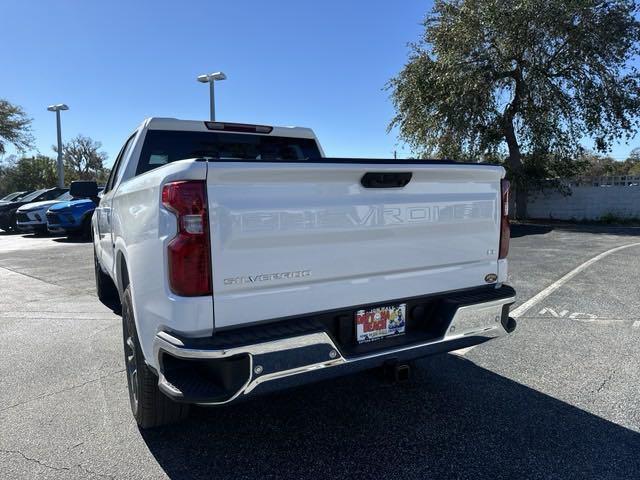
72,217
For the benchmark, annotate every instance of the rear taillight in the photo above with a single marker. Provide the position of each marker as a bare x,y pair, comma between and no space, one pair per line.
188,252
505,230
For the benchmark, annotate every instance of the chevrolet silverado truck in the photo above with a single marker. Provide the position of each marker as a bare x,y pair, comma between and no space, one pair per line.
245,261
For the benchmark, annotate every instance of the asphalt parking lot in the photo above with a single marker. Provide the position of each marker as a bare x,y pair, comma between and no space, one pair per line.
556,399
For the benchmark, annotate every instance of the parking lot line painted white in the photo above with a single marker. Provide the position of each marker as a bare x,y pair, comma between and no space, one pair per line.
463,351
524,308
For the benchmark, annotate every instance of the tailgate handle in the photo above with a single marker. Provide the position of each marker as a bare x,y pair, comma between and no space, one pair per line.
385,179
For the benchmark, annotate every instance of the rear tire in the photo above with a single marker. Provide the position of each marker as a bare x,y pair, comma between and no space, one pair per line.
105,288
150,407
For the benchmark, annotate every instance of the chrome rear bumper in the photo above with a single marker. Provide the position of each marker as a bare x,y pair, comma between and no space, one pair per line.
246,369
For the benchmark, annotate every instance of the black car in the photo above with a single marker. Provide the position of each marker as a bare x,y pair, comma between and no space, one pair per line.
15,196
8,210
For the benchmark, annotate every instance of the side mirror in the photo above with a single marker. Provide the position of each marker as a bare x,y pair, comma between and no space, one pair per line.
83,189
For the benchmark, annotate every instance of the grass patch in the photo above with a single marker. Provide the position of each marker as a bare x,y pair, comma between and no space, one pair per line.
612,219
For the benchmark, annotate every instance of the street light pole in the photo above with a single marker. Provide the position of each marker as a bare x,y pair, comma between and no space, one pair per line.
211,79
60,166
58,108
212,100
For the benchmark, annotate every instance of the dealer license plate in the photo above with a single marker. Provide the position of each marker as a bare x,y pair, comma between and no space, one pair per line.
381,322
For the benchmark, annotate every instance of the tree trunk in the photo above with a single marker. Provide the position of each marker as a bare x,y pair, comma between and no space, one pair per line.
515,164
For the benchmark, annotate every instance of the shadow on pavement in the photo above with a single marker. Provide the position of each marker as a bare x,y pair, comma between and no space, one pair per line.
454,420
72,239
518,231
114,306
526,229
36,235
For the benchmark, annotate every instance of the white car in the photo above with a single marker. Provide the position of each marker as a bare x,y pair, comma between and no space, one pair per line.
246,261
32,217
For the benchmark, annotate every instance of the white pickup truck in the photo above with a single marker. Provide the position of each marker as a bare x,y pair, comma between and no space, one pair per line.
245,261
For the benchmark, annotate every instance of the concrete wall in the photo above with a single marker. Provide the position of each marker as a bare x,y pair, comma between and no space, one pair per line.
586,202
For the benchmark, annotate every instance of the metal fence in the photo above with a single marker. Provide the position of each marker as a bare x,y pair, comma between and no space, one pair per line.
615,181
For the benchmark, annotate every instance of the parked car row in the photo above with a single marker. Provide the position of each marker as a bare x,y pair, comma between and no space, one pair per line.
52,210
14,196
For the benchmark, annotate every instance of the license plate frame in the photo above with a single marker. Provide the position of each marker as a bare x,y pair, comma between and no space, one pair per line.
379,323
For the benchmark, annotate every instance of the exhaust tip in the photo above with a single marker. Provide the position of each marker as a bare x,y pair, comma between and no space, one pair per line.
511,325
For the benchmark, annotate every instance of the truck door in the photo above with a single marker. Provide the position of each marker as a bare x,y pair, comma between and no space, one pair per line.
103,211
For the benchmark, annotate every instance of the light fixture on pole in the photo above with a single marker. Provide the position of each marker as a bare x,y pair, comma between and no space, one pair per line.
58,108
211,79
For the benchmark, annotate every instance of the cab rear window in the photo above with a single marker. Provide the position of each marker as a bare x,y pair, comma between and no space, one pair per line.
164,146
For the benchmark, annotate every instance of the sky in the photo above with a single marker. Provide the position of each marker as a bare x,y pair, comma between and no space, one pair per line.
319,64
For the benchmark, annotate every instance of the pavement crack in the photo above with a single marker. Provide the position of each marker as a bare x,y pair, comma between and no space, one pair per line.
91,472
35,460
97,332
79,466
57,392
605,381
30,276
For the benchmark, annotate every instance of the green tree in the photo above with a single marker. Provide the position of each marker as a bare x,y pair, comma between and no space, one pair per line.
528,80
603,166
15,127
598,165
27,173
83,159
634,162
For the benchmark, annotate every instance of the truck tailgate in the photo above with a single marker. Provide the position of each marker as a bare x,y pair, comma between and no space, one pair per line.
294,238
